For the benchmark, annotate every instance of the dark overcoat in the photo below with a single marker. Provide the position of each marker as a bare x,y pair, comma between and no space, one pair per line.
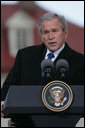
27,70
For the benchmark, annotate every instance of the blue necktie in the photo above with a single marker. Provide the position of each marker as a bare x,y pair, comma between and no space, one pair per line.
50,55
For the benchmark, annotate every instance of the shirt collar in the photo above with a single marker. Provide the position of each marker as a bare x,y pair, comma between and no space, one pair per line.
56,53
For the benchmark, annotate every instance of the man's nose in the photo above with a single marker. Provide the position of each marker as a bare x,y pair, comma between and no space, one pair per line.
51,35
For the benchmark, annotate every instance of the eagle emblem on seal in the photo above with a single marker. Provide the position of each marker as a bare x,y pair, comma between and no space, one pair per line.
57,96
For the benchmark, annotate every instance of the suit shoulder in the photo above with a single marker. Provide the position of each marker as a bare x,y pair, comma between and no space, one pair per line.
77,57
34,47
77,54
31,49
73,55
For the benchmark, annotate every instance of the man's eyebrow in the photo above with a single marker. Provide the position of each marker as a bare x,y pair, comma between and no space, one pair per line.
45,31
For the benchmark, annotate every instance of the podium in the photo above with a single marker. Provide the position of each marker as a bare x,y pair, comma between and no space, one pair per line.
26,99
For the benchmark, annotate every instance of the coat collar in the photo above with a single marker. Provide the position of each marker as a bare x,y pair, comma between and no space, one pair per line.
65,53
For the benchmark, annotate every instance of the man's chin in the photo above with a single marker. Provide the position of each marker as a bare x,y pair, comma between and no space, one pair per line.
53,48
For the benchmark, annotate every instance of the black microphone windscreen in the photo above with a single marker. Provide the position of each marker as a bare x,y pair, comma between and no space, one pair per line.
62,63
47,63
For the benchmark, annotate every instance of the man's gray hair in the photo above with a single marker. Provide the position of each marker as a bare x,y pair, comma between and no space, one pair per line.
49,16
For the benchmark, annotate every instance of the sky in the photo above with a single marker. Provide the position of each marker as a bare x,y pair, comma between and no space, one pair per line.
73,11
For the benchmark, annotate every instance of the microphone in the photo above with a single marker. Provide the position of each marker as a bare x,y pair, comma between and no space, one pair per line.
62,66
47,67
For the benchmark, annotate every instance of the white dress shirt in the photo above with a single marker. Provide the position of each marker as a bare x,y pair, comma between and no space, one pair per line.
56,53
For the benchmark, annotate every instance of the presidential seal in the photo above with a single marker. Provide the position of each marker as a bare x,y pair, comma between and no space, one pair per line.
57,96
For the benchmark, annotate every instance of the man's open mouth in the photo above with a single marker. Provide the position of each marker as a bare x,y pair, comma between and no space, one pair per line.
52,42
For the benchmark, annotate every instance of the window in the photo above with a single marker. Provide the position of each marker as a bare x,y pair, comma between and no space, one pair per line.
20,32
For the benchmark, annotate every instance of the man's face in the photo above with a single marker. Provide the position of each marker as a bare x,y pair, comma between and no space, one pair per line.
52,34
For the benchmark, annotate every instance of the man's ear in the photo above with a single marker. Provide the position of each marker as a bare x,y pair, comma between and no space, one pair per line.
66,33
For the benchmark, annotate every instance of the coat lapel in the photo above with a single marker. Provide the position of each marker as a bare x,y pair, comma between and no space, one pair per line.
65,53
